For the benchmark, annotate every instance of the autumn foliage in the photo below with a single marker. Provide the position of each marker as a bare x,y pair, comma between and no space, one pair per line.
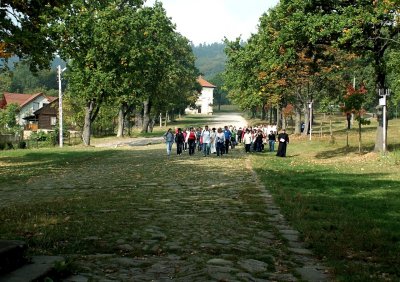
354,100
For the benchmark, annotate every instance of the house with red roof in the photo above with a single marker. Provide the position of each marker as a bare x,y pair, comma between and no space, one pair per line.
204,104
28,104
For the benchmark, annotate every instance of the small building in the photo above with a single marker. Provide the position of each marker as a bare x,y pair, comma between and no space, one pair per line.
204,104
45,118
28,105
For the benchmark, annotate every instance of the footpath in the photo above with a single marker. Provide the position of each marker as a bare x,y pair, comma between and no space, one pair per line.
178,218
212,220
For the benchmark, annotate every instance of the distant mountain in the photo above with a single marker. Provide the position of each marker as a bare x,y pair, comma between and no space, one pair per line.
210,58
11,62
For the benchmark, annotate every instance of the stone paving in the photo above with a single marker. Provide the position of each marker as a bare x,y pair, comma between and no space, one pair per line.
209,219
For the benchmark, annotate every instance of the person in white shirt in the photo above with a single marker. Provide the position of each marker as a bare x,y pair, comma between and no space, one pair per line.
247,139
213,136
206,137
220,142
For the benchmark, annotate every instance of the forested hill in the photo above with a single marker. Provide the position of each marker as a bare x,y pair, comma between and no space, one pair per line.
210,58
54,64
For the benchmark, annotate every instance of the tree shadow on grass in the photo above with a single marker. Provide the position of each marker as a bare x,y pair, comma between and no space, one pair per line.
341,213
53,157
341,152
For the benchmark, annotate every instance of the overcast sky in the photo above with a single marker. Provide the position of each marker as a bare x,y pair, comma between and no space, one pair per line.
208,21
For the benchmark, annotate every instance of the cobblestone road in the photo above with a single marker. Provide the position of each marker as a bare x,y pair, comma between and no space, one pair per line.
192,218
211,220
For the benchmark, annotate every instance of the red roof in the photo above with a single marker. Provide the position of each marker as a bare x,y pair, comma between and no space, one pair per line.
20,99
51,98
205,83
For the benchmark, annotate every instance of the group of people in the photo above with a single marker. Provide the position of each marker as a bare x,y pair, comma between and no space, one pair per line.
255,138
219,141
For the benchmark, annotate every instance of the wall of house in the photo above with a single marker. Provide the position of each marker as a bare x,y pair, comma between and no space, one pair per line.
45,122
30,108
204,103
206,100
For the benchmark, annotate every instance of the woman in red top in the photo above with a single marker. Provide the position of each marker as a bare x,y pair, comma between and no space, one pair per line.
191,139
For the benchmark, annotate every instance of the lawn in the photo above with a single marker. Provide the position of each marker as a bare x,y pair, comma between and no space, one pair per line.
345,204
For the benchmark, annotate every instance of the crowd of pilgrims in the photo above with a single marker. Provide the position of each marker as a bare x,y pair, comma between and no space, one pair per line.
219,141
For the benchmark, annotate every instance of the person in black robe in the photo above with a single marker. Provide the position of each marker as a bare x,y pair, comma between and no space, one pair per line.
283,140
180,140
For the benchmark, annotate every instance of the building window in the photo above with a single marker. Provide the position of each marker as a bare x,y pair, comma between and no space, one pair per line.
35,106
53,120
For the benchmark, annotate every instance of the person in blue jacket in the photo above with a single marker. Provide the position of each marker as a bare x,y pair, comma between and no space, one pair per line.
228,135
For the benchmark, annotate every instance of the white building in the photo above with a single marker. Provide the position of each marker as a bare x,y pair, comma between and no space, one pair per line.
204,104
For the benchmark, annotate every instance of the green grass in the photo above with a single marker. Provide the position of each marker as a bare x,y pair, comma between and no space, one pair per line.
345,204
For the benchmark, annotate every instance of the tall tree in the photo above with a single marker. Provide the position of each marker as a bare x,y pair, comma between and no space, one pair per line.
23,29
90,41
367,28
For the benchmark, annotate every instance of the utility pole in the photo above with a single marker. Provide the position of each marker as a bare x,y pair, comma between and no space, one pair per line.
60,109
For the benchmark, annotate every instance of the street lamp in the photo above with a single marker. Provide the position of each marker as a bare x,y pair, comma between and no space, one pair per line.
60,110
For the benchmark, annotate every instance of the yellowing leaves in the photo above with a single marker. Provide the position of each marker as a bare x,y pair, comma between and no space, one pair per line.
3,52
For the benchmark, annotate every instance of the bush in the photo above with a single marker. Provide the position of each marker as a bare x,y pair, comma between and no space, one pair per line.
38,136
2,146
9,146
22,145
49,138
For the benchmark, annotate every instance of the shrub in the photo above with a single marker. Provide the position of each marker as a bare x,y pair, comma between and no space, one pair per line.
9,146
48,139
22,145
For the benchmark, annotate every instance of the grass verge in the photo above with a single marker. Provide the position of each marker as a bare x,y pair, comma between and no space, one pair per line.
345,204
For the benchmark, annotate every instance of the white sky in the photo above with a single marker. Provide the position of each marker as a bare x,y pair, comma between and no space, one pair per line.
209,21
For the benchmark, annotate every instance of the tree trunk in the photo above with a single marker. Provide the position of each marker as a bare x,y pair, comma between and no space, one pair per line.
263,112
279,118
139,119
306,120
379,131
284,122
253,112
380,79
297,125
359,135
146,115
151,124
270,115
121,119
88,123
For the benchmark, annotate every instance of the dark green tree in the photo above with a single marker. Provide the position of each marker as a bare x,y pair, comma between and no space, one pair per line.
90,41
23,29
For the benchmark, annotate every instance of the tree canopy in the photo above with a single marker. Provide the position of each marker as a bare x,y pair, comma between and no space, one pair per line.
23,29
309,51
120,53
